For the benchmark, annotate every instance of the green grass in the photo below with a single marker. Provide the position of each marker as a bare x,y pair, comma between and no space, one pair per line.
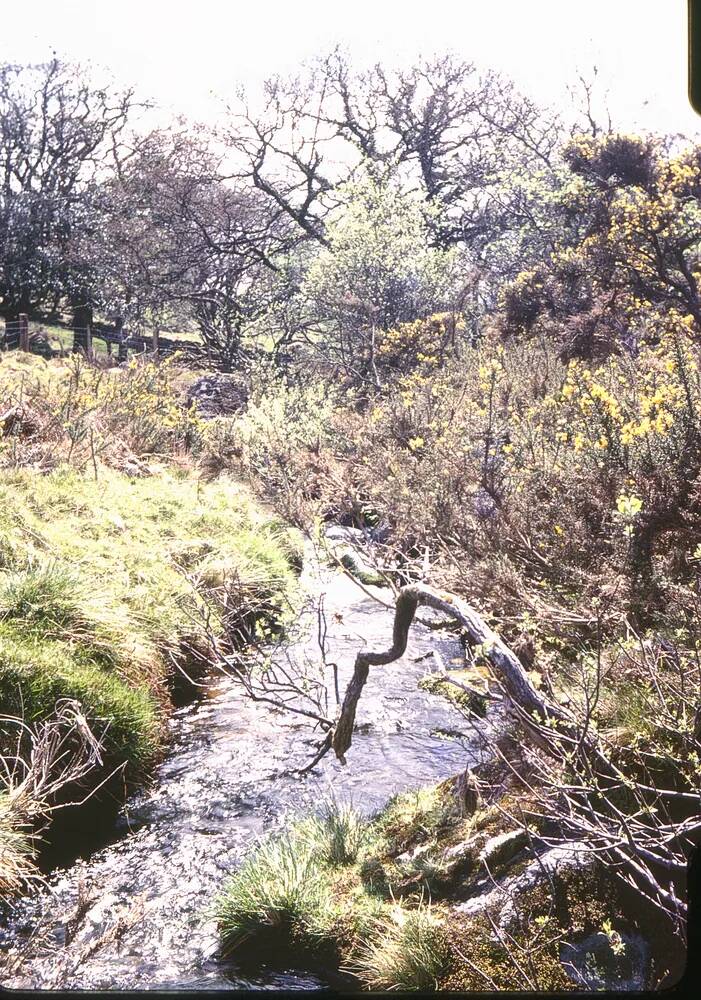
339,833
101,580
305,890
62,338
15,849
279,898
35,673
408,951
286,895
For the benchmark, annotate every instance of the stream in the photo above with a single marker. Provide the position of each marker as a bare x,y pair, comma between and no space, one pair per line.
136,913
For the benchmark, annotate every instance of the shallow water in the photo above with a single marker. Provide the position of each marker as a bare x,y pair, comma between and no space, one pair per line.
134,914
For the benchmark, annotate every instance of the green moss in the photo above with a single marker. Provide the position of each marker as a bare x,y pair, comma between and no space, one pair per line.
479,961
35,673
463,699
368,577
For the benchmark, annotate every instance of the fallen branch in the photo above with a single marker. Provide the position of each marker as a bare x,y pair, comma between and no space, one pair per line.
533,709
634,842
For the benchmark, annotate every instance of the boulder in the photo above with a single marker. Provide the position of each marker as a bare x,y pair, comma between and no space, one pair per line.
217,395
502,849
501,898
610,961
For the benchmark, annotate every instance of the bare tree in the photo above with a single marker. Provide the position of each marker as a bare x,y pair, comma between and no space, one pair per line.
58,133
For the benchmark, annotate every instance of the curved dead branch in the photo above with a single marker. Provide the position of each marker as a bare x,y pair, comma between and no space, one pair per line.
534,710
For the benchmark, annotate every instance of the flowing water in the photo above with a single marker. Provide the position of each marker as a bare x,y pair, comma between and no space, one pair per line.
135,914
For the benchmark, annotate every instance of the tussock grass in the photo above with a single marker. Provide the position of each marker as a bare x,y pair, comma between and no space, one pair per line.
285,895
278,897
15,849
408,951
339,833
303,889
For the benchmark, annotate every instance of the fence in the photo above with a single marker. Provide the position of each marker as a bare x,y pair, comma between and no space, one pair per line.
16,336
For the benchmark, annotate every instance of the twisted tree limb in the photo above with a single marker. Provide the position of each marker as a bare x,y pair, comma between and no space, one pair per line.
527,700
634,844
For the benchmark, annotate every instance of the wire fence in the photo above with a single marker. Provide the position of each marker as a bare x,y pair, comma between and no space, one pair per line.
93,340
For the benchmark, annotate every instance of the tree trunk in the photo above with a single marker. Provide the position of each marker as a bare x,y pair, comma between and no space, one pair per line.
82,321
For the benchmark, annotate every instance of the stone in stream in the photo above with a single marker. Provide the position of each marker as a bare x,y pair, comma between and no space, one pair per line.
344,542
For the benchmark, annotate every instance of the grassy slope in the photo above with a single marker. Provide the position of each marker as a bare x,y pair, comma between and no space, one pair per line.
102,575
93,593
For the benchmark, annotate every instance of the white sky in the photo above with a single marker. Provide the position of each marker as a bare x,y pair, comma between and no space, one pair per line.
184,53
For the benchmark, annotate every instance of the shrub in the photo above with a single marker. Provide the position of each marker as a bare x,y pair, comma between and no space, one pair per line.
276,445
75,412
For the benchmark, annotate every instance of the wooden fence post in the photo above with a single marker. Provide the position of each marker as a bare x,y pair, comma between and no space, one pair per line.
122,352
88,341
23,332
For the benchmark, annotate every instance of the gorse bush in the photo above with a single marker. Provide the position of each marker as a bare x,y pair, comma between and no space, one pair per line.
277,444
73,412
559,482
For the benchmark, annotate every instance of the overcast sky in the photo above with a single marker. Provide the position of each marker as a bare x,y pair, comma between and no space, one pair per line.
184,54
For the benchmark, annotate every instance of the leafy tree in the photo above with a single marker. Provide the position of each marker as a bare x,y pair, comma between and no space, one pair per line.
378,270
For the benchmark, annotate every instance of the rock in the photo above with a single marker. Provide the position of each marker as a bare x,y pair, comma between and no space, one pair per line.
346,535
217,395
501,849
365,574
381,532
502,897
610,961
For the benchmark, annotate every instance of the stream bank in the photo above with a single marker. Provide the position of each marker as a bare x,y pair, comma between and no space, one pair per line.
136,914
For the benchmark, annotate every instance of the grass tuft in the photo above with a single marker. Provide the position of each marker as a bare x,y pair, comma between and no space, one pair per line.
278,897
408,951
15,849
340,833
